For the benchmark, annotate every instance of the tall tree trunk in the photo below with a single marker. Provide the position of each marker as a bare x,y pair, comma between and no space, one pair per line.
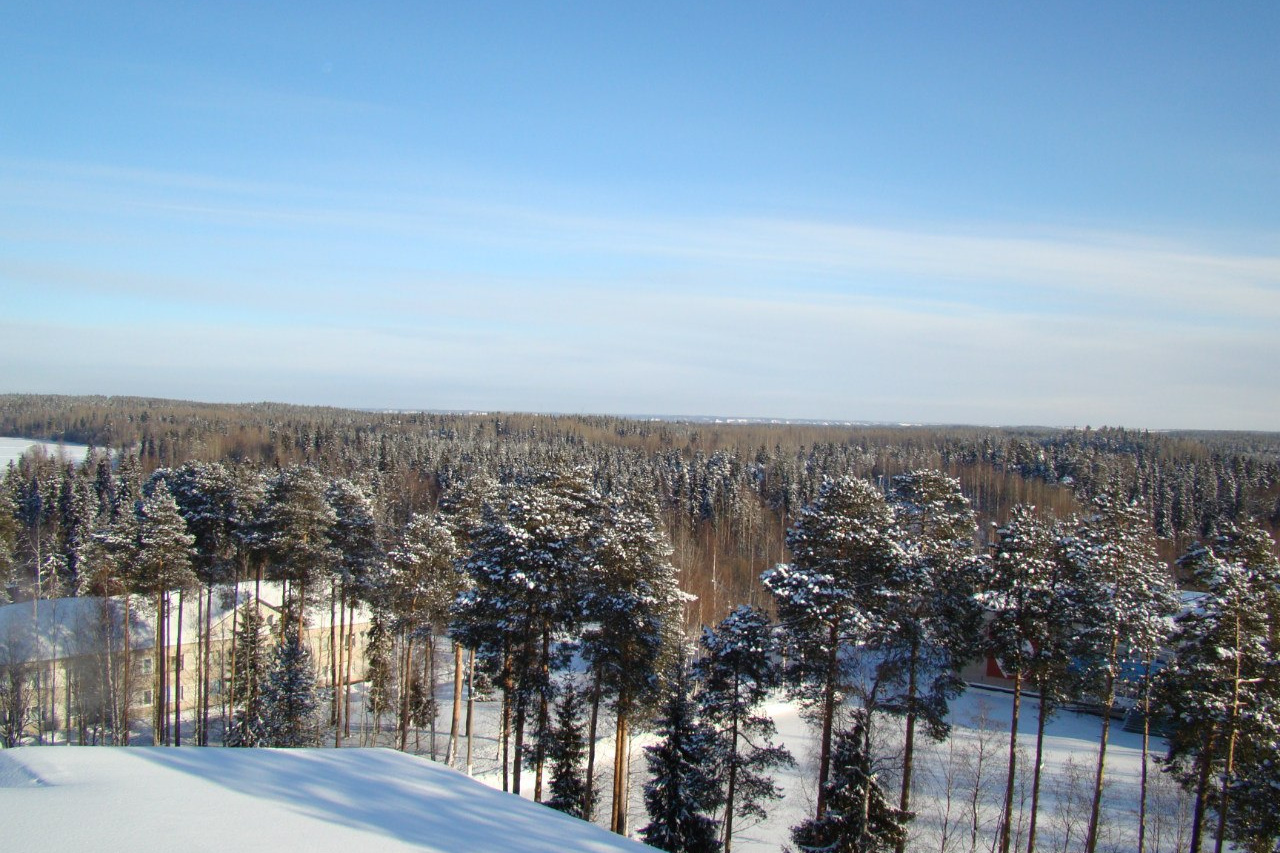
337,648
199,665
909,742
1109,699
206,665
1006,822
349,648
406,676
66,705
540,752
1224,801
471,674
618,818
451,753
589,796
828,718
506,738
159,718
122,722
1146,743
731,789
517,766
334,663
1041,718
232,691
430,675
1202,790
865,837
177,675
302,607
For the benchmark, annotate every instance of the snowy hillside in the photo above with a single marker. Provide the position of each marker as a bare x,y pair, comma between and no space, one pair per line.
140,800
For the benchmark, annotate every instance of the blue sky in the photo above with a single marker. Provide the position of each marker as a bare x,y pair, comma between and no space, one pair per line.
943,212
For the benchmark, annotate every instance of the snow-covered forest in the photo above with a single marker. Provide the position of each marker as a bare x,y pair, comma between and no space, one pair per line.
612,581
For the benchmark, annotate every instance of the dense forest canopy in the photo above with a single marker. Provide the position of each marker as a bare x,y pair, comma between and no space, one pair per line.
727,490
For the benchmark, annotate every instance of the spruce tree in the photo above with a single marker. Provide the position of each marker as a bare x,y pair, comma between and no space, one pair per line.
247,727
1223,689
682,792
8,543
289,697
737,670
379,670
858,817
566,753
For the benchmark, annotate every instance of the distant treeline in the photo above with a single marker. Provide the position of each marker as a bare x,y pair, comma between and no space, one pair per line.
727,492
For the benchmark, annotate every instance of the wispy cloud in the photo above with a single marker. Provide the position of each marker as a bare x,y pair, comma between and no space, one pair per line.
392,297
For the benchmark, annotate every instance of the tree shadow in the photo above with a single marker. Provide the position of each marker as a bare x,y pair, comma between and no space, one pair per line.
392,794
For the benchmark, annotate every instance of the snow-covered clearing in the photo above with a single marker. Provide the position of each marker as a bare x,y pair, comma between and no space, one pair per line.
980,720
316,800
973,758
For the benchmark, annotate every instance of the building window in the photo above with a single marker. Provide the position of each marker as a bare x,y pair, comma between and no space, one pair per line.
146,668
146,697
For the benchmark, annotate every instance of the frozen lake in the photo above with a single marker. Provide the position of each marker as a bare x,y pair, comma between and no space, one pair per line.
12,448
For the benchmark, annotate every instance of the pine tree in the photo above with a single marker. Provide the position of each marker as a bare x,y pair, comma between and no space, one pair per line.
630,604
209,500
1031,620
289,696
416,586
737,670
932,620
832,597
1127,596
858,817
356,540
527,563
163,566
682,792
294,531
1223,688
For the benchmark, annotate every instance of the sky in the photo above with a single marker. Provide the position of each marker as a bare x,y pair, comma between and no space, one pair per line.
991,213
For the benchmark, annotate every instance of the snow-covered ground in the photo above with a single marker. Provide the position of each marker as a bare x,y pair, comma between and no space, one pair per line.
320,799
316,800
973,759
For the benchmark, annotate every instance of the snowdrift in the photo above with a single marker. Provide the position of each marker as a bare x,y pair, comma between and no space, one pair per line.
313,800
